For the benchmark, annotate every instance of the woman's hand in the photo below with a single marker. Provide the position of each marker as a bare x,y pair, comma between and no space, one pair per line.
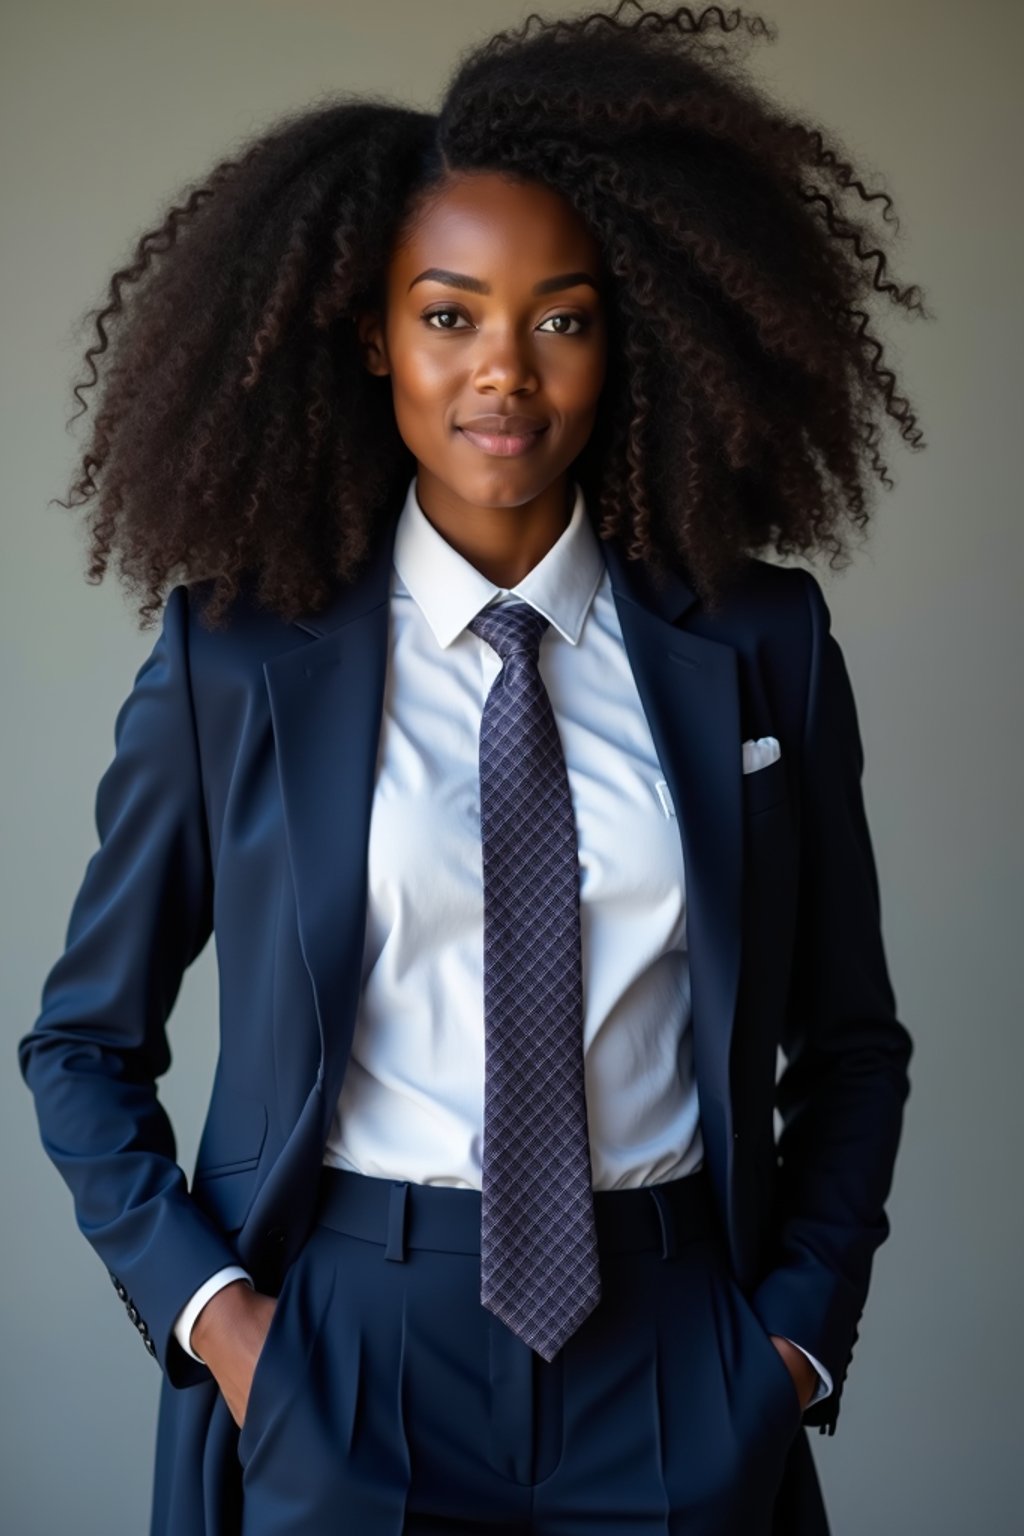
805,1377
228,1335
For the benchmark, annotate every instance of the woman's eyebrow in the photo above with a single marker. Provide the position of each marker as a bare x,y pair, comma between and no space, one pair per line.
474,284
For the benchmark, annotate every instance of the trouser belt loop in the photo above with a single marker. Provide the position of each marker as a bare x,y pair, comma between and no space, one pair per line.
666,1221
396,1221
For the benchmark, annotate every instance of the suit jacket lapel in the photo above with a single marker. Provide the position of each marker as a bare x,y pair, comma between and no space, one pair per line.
326,699
689,689
326,703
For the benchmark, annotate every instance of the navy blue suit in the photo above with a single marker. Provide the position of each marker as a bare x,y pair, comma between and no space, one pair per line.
238,802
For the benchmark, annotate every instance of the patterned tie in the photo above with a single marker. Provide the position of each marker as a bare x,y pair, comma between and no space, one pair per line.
538,1248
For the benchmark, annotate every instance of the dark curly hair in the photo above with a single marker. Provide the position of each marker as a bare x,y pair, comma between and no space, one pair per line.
239,436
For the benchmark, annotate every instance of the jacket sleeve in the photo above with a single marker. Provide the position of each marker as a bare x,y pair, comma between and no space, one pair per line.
142,914
845,1081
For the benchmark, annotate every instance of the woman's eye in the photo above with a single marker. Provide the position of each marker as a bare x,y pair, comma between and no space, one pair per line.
433,315
574,319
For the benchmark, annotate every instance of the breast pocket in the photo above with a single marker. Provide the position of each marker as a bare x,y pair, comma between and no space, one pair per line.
765,788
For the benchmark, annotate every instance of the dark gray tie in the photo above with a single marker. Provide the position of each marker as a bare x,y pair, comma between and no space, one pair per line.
538,1249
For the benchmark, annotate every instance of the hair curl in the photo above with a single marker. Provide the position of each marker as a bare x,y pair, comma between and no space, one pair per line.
240,437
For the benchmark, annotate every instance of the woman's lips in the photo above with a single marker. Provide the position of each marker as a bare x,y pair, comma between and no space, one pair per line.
503,444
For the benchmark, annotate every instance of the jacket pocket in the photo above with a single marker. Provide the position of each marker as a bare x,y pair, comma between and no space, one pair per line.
227,1196
227,1163
233,1136
765,787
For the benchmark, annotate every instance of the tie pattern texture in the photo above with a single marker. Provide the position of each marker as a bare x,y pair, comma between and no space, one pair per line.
538,1247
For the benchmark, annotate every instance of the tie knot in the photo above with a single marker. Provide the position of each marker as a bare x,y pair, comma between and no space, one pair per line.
510,627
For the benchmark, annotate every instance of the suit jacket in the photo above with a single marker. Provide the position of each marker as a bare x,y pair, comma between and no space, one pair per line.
238,802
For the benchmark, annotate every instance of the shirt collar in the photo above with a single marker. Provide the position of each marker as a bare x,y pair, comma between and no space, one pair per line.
450,591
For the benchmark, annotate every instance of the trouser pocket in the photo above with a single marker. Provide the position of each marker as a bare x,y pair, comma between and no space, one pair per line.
281,1367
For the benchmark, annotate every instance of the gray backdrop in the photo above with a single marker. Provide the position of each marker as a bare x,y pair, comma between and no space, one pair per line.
107,105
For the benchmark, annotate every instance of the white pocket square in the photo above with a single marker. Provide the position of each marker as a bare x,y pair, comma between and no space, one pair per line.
759,753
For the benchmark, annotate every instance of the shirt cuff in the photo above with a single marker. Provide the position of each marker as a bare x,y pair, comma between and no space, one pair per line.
824,1379
190,1311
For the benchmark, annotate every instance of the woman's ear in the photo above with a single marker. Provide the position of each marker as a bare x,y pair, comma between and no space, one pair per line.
370,333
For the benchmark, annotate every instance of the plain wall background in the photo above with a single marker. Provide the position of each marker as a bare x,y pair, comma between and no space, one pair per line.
107,106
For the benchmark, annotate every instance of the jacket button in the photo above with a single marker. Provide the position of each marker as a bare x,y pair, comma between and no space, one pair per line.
276,1235
133,1313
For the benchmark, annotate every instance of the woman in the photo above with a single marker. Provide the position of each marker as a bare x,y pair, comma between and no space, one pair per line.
522,798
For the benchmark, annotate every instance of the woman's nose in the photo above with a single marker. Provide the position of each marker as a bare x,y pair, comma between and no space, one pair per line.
506,362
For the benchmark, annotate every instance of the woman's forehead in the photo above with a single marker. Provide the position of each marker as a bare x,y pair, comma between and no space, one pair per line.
490,217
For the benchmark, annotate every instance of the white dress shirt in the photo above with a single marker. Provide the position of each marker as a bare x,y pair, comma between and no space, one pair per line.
411,1102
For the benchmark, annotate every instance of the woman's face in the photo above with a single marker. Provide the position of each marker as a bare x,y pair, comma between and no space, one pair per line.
492,309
